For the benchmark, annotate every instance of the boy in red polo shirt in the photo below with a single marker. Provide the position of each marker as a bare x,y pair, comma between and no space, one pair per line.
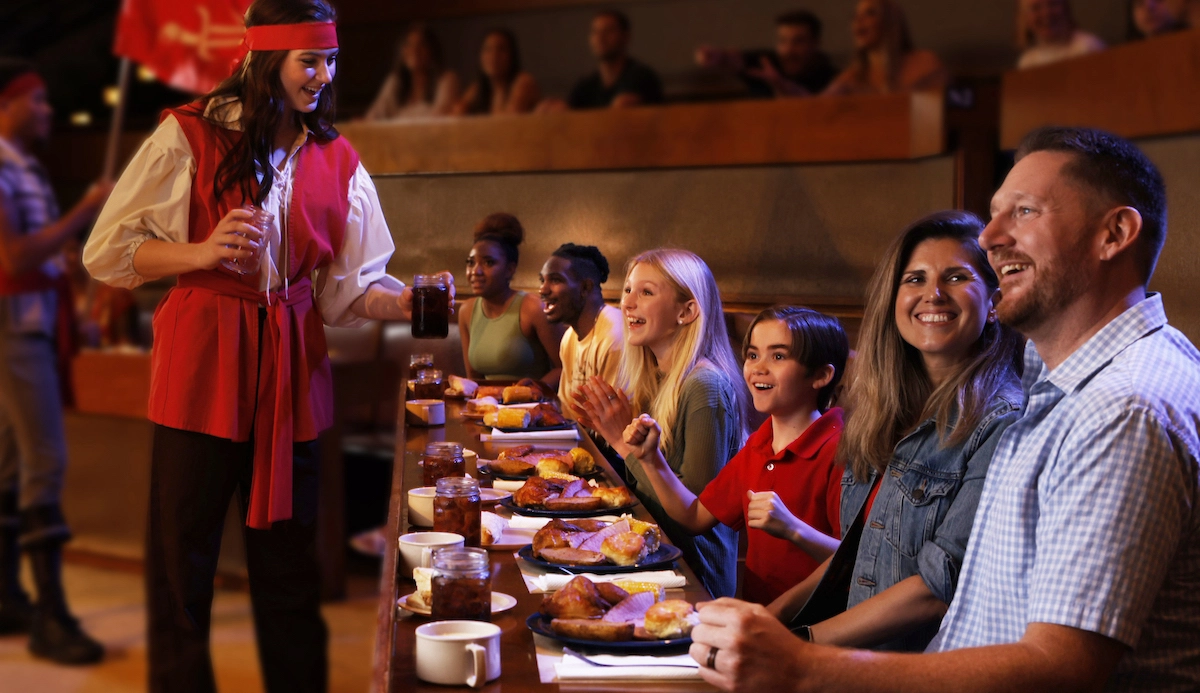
784,479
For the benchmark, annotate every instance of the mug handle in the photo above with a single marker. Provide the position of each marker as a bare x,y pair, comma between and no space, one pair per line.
426,557
479,676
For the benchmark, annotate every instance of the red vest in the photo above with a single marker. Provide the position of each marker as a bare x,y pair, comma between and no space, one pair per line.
207,356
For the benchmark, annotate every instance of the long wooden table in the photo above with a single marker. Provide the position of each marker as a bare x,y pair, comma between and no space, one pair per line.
395,665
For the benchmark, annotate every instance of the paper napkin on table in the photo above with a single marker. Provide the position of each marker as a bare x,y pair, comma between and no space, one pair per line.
572,668
498,435
669,579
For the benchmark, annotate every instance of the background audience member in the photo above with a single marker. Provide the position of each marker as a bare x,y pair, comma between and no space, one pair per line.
936,385
1047,33
1191,14
679,368
785,480
501,86
797,66
619,81
418,84
1151,18
505,334
884,58
595,334
34,336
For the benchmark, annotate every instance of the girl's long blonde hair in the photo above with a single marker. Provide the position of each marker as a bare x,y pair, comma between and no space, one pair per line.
891,392
702,343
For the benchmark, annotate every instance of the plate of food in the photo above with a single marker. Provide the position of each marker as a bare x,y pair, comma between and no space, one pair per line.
524,461
415,603
600,546
605,617
568,496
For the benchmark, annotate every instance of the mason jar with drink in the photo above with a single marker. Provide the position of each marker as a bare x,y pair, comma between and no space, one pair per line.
461,585
431,307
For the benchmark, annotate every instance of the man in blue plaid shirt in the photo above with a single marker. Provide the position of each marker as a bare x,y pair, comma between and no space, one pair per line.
1083,569
33,450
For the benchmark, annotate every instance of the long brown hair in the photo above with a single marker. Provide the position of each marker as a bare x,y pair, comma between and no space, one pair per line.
483,84
891,392
257,87
897,43
404,76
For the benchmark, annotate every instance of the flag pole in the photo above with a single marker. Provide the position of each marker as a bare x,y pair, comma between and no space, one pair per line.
118,121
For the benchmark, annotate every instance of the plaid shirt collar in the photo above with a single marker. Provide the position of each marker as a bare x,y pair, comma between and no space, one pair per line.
1072,374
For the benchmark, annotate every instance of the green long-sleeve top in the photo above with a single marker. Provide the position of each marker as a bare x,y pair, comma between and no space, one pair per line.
706,434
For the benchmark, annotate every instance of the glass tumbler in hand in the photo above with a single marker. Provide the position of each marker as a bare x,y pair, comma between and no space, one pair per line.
263,221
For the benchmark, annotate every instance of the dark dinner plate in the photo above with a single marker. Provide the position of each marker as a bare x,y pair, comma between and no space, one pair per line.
540,623
661,559
536,512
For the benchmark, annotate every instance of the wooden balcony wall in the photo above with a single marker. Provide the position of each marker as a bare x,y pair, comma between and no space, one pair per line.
755,188
1147,91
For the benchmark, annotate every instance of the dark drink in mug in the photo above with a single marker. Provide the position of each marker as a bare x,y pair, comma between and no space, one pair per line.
431,307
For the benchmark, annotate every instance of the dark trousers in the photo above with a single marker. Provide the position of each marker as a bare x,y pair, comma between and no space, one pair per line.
192,478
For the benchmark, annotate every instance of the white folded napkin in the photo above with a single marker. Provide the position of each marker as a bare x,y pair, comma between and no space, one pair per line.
522,522
498,435
572,668
549,582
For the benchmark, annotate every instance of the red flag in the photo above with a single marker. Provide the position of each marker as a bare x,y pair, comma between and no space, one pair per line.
188,45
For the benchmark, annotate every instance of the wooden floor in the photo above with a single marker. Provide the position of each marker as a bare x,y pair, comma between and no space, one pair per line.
111,607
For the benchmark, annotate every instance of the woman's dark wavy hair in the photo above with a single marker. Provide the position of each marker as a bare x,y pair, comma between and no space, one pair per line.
257,86
405,75
483,92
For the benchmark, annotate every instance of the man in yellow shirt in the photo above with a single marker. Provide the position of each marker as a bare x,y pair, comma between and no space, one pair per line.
570,291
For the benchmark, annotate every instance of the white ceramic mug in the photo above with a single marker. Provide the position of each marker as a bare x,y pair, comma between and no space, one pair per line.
425,412
416,548
420,506
456,653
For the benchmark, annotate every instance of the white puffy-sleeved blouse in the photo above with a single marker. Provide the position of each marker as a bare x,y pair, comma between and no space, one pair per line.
152,198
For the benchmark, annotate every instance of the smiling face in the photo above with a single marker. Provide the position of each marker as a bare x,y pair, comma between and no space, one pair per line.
418,54
652,310
1152,17
28,116
496,56
1038,242
1049,20
304,74
488,269
779,384
563,295
794,46
606,39
867,25
942,303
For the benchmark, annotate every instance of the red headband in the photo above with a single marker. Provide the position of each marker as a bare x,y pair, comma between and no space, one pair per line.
22,85
286,37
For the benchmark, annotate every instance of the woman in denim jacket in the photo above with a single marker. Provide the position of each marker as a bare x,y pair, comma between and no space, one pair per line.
936,385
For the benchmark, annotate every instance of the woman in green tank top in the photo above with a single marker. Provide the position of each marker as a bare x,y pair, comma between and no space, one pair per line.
505,334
